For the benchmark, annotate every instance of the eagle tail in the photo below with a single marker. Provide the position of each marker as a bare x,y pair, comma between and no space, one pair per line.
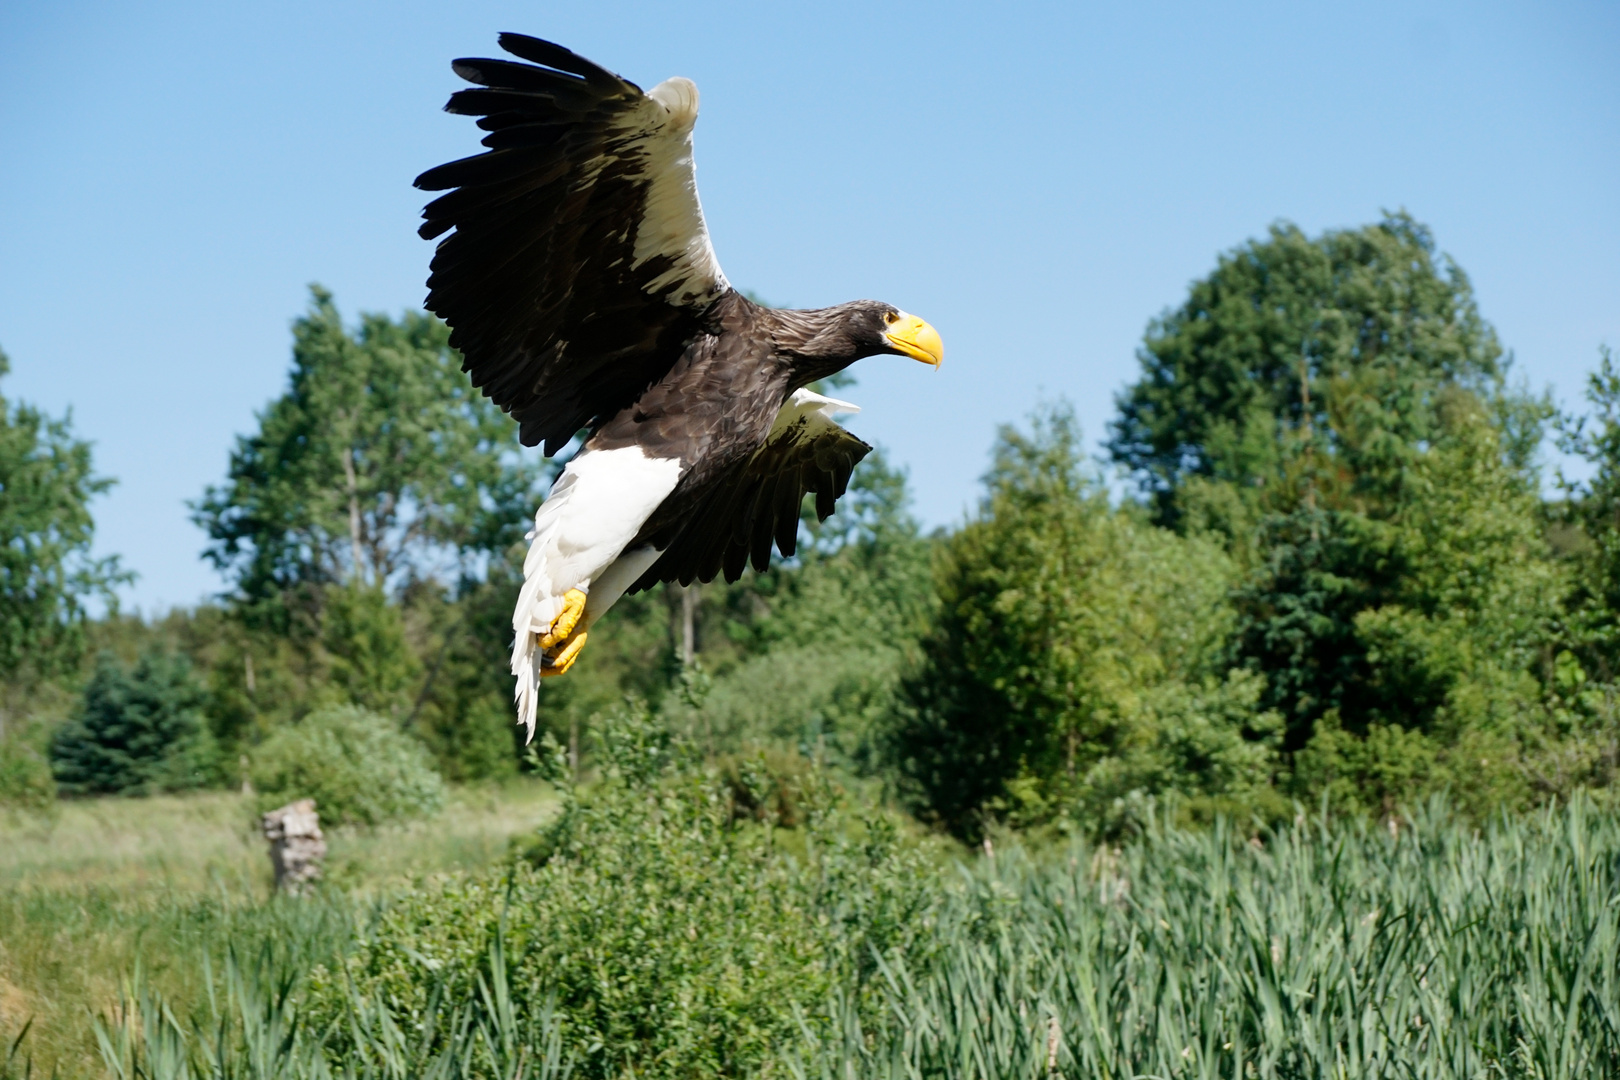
538,605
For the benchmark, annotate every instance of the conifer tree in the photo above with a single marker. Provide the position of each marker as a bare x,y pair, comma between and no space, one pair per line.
138,731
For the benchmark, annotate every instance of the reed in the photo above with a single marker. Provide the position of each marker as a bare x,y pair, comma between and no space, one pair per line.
1316,952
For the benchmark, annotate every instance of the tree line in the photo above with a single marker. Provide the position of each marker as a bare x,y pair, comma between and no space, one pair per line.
1340,572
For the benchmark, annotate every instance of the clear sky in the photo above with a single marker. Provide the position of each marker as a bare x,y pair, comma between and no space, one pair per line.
1037,180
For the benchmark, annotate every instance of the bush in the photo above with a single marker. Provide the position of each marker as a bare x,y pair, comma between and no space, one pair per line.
137,731
675,937
25,776
357,766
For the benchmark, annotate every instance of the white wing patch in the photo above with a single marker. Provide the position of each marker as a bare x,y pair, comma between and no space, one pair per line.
672,221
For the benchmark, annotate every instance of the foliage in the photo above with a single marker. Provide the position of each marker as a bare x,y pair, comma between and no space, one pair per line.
25,775
1293,342
462,703
1335,412
675,937
378,462
1310,952
810,652
138,731
1416,612
355,764
364,638
1586,526
47,574
1322,949
1074,645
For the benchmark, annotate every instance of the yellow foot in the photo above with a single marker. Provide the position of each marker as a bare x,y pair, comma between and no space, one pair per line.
563,625
558,662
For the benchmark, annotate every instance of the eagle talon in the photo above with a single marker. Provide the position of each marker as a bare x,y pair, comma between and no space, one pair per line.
563,625
559,662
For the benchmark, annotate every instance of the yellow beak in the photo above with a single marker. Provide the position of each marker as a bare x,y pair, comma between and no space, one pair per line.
916,339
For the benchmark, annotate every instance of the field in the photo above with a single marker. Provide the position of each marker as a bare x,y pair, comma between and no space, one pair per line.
1318,950
105,886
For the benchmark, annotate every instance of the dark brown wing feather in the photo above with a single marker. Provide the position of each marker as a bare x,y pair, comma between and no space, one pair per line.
734,520
538,282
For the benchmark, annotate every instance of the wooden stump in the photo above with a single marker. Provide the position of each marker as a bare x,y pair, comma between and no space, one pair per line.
296,845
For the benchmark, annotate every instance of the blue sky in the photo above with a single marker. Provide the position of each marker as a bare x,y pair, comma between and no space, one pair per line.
1037,180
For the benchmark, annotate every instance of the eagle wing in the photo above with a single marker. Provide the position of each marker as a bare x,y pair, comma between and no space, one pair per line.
760,500
580,265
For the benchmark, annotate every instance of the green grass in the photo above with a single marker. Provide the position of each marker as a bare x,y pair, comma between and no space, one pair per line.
105,887
1345,952
1318,951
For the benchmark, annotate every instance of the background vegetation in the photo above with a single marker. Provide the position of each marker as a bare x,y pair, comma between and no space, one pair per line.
1183,703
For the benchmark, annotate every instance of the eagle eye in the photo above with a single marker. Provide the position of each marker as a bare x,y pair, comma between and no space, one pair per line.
891,317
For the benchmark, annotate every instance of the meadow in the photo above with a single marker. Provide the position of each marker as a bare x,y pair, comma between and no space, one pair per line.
99,889
651,930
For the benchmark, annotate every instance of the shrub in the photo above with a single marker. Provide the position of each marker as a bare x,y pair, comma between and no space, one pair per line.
25,776
137,731
674,938
357,766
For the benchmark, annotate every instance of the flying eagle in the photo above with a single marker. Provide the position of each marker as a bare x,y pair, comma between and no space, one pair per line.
584,296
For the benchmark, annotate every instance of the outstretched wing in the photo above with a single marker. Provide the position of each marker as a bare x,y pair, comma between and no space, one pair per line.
759,501
580,265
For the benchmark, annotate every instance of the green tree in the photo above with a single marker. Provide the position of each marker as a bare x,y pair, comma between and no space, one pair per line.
137,731
368,658
379,475
47,575
1061,622
1328,357
1586,531
1336,410
379,462
1590,516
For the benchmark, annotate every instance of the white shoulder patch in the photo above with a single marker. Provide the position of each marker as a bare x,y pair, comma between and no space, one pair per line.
811,406
672,222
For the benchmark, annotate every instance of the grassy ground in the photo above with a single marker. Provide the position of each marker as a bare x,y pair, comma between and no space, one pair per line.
105,885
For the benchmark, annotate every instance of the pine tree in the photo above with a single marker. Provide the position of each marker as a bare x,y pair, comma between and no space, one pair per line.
137,731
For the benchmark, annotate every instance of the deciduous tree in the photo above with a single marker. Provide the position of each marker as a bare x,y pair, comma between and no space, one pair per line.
48,577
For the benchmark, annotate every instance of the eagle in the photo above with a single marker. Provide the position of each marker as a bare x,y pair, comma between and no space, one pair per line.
583,294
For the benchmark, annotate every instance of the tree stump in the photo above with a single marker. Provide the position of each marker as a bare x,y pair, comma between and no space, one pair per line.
296,845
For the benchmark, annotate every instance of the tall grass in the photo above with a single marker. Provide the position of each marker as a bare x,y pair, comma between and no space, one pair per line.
1320,952
251,1026
169,885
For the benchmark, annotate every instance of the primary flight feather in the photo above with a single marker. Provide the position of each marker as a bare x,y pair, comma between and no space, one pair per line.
582,290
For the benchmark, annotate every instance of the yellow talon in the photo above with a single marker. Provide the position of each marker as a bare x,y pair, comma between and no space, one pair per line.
563,625
564,659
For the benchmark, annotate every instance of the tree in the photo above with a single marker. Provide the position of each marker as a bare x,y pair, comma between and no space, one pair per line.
378,463
1330,356
356,765
47,575
1336,410
137,731
1074,655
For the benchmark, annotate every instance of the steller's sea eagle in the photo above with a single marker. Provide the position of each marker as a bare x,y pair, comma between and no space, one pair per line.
583,294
